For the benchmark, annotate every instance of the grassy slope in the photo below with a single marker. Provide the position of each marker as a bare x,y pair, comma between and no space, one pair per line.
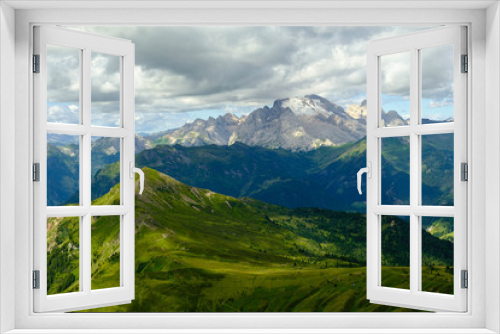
201,251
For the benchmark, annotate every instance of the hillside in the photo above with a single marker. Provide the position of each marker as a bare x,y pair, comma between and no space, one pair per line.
62,174
279,177
324,178
199,251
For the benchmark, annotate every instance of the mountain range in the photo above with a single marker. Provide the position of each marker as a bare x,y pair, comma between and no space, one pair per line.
296,124
324,177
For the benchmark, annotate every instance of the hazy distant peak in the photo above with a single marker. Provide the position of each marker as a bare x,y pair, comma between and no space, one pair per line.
392,118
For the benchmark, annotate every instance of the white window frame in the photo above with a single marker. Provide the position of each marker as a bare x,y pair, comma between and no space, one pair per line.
415,210
124,50
484,46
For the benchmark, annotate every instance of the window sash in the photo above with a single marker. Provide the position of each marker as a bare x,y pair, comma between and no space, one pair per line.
85,298
414,298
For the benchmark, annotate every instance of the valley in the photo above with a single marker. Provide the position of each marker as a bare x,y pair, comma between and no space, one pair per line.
199,251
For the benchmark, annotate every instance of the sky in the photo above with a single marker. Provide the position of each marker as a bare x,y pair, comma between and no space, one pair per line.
183,73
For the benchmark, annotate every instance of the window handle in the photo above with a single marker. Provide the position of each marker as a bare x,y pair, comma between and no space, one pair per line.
368,171
139,171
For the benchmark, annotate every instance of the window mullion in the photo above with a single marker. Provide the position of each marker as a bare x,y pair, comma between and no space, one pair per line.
414,172
86,177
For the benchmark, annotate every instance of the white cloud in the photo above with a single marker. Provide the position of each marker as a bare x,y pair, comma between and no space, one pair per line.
184,69
440,103
63,113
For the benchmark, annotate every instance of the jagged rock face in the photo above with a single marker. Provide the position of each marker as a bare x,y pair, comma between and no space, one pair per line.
110,146
297,124
142,144
357,112
391,118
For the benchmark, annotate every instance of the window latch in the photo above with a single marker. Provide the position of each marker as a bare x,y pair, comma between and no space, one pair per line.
368,171
132,171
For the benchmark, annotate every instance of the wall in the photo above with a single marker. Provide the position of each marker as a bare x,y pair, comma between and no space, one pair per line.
7,160
492,162
283,17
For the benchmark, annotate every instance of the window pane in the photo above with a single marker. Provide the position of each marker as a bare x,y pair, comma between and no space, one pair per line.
395,89
437,169
105,252
63,254
105,171
63,85
396,252
105,78
437,84
395,171
63,169
437,254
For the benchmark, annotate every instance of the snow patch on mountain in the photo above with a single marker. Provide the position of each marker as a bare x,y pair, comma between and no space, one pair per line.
303,106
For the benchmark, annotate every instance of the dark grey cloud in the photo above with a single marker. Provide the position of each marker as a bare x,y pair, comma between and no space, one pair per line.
63,74
437,72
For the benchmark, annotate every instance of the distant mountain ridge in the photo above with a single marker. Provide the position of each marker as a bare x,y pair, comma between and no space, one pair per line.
323,178
296,124
389,118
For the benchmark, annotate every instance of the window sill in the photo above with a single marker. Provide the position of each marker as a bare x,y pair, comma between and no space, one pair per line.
251,331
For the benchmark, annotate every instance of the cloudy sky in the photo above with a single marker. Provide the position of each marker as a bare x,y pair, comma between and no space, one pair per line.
183,73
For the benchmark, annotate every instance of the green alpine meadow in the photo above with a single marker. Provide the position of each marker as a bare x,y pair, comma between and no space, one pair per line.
200,251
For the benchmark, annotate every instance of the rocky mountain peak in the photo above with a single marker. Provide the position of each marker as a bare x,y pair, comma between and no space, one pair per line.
357,111
392,118
309,105
296,123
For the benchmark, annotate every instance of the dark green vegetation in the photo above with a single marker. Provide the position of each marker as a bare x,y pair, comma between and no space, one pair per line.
63,163
395,171
105,234
324,178
199,251
318,178
62,174
437,169
437,256
62,255
439,227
